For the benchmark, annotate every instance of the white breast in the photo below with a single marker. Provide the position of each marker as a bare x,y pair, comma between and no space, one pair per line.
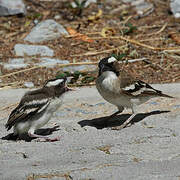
54,105
39,121
109,88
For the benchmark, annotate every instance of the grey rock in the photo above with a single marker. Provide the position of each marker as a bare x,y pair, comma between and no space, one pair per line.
175,8
31,50
52,62
142,6
29,84
15,63
12,7
57,17
46,30
36,21
80,68
128,1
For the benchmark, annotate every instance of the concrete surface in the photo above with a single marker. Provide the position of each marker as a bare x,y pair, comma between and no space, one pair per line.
89,149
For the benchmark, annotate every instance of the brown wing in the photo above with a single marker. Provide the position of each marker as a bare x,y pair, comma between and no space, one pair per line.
140,88
31,104
134,87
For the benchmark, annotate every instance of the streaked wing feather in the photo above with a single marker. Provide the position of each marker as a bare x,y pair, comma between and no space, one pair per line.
134,87
25,110
140,88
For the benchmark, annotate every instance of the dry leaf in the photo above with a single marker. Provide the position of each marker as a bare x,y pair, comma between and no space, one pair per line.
79,35
96,16
174,36
27,23
107,31
45,14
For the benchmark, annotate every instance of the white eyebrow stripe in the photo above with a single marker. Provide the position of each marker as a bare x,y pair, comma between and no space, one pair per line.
112,59
54,83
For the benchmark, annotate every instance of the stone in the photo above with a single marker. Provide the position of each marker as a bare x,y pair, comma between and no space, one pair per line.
128,1
142,6
31,50
51,62
45,31
12,7
57,17
175,8
15,63
29,84
72,69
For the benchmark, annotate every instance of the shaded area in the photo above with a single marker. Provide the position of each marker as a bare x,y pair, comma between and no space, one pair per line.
25,137
105,122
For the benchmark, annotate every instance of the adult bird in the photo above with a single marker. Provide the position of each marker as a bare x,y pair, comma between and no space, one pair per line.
119,88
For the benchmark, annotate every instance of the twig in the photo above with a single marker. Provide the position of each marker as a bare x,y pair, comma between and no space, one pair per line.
154,66
162,29
171,50
134,60
151,39
36,67
92,53
158,32
137,43
10,83
75,35
62,65
83,84
127,19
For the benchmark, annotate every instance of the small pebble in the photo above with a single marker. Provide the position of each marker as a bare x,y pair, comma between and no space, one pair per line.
29,84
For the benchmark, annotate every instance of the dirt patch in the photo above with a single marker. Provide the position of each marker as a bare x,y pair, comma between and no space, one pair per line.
111,32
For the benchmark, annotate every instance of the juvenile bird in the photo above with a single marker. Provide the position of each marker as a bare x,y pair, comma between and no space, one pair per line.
36,108
119,88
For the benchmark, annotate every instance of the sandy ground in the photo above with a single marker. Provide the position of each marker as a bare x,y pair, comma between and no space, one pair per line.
89,149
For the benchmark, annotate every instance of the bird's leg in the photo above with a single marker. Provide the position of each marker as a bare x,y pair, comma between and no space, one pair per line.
125,123
114,114
120,109
32,134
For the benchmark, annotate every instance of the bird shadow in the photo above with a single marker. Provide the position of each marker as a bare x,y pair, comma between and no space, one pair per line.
118,120
27,138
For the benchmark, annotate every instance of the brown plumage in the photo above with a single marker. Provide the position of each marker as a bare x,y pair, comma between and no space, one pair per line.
36,107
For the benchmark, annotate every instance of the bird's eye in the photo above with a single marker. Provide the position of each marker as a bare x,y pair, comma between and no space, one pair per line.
62,83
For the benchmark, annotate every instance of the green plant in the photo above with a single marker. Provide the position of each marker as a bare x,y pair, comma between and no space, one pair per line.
119,56
79,7
129,29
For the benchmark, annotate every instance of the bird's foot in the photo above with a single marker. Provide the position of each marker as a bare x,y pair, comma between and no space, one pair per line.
46,139
117,127
53,139
122,126
43,138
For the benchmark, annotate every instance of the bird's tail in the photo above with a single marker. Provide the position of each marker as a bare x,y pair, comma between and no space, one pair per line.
165,95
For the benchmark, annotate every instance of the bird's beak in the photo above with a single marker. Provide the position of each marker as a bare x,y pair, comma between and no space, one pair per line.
69,89
66,87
